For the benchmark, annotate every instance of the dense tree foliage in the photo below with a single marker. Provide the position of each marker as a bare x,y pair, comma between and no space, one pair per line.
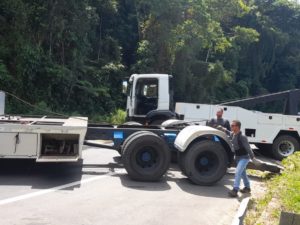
70,56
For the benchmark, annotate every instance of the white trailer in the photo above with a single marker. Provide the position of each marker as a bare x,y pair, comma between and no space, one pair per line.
43,138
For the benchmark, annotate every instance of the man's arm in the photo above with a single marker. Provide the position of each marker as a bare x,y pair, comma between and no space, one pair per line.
227,125
212,123
228,132
246,145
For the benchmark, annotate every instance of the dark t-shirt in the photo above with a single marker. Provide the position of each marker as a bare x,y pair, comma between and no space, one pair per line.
222,122
240,141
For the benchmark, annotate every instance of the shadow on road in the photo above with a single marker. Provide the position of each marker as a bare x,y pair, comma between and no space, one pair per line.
48,175
161,185
26,172
218,190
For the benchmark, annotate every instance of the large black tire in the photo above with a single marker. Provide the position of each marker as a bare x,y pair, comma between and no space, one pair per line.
283,146
120,150
129,138
146,157
180,160
205,162
174,157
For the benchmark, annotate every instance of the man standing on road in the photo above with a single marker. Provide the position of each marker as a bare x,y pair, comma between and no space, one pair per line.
219,121
243,153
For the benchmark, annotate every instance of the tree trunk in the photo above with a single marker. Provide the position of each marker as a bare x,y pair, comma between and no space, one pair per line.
100,39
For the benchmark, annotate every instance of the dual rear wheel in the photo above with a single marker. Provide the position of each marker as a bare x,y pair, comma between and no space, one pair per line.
204,163
146,157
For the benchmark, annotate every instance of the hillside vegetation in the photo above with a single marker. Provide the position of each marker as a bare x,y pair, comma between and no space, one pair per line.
70,56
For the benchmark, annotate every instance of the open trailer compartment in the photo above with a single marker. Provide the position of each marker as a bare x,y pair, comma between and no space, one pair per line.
47,139
59,144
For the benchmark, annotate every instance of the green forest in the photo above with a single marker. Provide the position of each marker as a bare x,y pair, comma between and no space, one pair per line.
70,56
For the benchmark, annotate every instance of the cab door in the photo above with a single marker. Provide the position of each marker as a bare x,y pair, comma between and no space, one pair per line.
146,96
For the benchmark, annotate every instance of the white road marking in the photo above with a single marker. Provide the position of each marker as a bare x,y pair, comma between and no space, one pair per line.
50,190
241,212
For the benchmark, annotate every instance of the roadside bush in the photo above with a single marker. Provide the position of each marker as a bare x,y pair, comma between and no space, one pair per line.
117,117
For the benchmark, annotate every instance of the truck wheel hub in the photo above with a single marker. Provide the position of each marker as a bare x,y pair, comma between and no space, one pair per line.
206,163
147,157
203,161
286,148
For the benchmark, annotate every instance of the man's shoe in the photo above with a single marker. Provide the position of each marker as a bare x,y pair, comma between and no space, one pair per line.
245,190
233,193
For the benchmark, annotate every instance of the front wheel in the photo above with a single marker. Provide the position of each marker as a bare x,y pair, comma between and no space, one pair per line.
284,146
205,162
181,160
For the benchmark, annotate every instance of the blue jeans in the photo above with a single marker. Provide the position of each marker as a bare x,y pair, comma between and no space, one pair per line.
240,173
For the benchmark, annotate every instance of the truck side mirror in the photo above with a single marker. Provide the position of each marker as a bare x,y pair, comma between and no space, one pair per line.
124,87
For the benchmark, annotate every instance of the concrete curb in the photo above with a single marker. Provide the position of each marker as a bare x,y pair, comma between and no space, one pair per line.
239,216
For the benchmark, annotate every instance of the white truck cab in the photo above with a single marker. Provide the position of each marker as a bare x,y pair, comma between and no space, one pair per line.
149,98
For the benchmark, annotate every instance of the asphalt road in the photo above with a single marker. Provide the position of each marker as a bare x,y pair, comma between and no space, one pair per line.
98,191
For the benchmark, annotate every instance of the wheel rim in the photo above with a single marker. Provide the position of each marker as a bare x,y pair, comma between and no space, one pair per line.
207,163
147,157
286,148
